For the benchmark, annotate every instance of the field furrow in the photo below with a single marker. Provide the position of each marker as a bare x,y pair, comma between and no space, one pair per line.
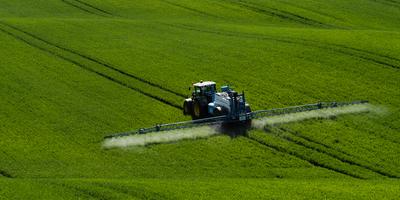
89,68
281,14
79,8
193,10
85,7
368,56
133,191
91,192
95,72
102,63
308,139
332,153
300,155
388,3
93,7
97,61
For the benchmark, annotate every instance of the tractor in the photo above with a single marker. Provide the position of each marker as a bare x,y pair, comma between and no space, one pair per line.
207,102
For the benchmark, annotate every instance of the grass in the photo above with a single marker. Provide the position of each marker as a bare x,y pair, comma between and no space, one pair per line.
74,71
218,188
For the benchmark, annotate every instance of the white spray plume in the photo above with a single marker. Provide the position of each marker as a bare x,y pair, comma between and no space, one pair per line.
315,114
160,137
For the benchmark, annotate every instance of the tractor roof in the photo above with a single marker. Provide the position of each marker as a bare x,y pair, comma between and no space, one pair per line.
204,83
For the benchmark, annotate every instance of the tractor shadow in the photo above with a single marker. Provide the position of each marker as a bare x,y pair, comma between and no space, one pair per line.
234,130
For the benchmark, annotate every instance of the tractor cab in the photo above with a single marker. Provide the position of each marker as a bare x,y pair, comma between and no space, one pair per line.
205,89
203,94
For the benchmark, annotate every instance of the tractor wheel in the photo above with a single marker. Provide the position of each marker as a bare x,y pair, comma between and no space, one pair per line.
197,110
188,107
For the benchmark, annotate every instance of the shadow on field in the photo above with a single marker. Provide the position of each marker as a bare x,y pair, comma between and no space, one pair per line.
234,129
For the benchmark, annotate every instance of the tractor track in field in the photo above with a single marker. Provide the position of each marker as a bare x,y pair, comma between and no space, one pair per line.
189,9
292,41
80,8
58,55
348,51
333,155
85,192
314,11
296,133
5,174
86,7
139,192
285,15
388,3
97,61
339,48
95,8
301,157
381,136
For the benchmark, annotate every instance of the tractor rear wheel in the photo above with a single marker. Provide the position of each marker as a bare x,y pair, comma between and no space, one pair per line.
188,107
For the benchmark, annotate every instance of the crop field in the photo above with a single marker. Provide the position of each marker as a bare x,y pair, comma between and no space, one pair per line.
74,71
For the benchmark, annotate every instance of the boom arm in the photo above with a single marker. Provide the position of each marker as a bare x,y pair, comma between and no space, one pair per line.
225,118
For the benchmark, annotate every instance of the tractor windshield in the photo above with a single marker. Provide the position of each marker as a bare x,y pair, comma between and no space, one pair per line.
209,88
197,90
204,90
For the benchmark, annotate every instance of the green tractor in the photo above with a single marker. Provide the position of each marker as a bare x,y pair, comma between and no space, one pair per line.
207,102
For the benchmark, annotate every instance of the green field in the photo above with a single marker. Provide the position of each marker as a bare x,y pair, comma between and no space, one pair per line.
74,71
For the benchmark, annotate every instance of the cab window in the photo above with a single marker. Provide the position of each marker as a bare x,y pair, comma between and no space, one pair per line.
197,90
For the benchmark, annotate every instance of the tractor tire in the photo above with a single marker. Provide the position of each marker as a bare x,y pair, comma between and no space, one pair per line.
200,109
188,107
197,114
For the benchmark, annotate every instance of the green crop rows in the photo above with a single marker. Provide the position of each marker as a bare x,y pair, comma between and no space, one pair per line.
74,71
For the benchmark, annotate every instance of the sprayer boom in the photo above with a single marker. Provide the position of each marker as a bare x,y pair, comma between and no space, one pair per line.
227,119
